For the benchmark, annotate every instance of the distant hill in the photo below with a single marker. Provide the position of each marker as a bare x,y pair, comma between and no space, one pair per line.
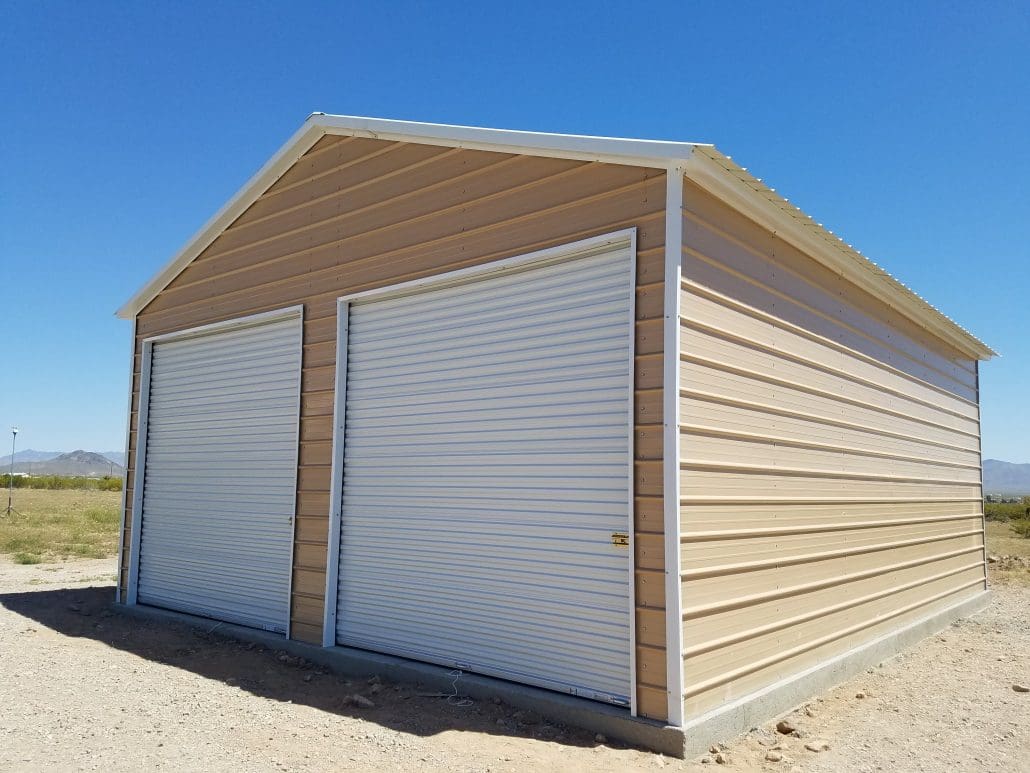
86,463
28,455
31,455
1005,477
118,457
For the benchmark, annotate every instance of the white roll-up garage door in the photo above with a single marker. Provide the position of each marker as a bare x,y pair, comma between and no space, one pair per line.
220,473
487,475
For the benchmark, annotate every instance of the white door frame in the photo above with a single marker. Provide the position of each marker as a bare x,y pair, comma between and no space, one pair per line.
139,466
561,253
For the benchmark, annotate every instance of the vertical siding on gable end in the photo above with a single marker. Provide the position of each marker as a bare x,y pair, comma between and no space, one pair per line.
355,214
830,463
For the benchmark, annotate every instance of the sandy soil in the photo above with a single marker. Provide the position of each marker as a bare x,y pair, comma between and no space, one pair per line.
83,688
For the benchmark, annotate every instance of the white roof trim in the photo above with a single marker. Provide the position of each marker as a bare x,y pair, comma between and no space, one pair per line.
721,177
701,163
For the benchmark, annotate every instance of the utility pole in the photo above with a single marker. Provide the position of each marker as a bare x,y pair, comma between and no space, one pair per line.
10,476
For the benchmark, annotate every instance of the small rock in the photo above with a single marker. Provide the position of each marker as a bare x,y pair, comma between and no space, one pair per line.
497,701
375,688
773,756
993,559
308,677
706,760
817,746
722,759
810,711
600,738
1020,688
361,702
860,695
374,679
714,749
785,727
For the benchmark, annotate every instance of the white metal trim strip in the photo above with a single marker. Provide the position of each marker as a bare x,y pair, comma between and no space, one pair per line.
631,471
296,475
671,443
139,472
125,465
332,571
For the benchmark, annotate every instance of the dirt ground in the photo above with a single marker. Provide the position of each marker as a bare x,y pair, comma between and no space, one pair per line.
84,688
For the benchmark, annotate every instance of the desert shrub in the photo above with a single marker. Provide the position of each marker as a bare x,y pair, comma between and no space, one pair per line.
61,482
1003,512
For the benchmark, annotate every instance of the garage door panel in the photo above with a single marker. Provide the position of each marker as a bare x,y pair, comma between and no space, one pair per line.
220,473
484,341
213,370
486,467
420,407
505,368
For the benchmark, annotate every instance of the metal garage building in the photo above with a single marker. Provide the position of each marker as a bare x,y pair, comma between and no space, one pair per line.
603,416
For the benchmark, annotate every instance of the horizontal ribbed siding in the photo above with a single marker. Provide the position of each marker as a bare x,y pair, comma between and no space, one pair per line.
353,214
830,463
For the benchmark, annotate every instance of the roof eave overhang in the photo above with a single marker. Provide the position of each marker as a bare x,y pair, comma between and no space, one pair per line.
701,163
646,153
718,175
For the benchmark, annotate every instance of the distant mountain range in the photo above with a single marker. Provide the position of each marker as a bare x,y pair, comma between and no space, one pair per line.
89,463
1005,477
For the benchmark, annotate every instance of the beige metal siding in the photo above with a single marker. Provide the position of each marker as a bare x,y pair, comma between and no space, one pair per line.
354,214
830,463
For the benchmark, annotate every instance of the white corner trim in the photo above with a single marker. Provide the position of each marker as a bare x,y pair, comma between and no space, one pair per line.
631,471
139,473
671,442
125,463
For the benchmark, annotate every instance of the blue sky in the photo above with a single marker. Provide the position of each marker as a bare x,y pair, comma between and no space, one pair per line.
901,126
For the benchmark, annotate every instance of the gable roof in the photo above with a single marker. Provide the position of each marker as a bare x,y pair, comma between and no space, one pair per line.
701,163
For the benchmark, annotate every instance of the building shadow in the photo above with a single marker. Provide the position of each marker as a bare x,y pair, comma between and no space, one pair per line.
274,674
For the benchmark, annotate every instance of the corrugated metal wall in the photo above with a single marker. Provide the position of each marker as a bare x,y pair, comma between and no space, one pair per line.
357,213
830,463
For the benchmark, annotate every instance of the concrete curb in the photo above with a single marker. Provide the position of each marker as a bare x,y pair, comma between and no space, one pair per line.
611,721
733,719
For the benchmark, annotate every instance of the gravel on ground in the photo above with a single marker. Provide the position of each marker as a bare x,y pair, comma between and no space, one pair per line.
85,688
